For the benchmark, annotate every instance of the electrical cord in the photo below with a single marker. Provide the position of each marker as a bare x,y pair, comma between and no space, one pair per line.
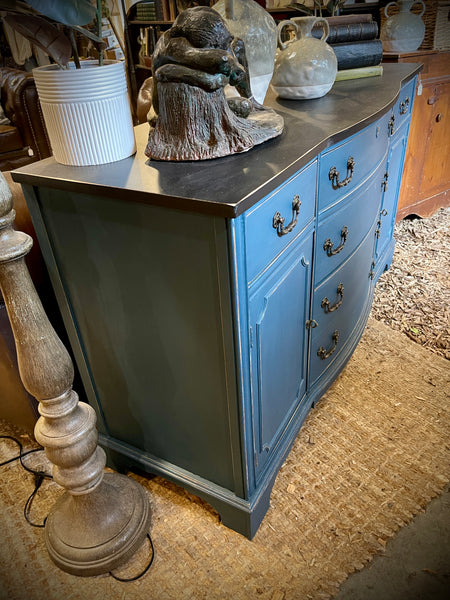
39,477
142,572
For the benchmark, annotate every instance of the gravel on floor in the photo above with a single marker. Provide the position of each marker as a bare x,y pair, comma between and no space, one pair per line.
413,296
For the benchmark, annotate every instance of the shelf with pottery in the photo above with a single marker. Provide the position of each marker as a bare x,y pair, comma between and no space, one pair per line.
210,304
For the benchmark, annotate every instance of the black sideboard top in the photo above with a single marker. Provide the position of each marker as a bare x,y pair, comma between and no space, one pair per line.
228,186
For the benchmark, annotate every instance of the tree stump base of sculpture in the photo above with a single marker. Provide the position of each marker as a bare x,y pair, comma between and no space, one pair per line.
194,124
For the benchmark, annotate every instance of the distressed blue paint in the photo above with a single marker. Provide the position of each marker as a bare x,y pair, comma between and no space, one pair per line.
401,112
356,212
263,243
367,148
278,311
353,274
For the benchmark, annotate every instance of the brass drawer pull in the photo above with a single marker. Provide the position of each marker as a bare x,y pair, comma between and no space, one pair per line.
404,106
322,353
391,125
328,244
325,304
278,220
333,175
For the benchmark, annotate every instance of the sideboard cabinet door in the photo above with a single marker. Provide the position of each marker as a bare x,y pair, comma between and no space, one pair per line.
278,310
399,122
391,185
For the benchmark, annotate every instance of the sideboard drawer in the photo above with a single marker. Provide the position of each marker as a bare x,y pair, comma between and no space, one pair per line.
339,233
402,108
337,306
344,168
264,238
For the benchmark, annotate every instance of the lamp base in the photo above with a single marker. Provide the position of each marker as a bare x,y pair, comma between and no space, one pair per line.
94,533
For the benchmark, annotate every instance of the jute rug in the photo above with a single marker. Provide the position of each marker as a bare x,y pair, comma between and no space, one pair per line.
370,456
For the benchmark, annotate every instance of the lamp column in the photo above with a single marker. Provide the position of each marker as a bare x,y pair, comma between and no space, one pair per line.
103,518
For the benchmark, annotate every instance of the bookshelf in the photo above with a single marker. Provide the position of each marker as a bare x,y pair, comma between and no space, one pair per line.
143,27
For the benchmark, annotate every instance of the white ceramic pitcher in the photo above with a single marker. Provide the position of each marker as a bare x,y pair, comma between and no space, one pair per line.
403,32
305,67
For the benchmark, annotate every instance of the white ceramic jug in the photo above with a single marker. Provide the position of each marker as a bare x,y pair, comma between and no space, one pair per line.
305,67
403,32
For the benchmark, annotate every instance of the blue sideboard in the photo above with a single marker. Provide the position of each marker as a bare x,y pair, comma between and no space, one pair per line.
209,305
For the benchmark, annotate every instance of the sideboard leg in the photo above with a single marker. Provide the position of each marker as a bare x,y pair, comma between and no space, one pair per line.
101,520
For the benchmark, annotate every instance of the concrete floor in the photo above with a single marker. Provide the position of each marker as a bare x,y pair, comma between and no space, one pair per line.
416,562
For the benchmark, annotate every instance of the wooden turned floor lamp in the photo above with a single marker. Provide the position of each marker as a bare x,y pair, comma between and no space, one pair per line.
102,519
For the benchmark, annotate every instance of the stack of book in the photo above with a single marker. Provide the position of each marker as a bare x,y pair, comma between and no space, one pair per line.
354,39
157,15
156,10
150,10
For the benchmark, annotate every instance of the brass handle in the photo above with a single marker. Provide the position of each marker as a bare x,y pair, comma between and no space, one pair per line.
322,353
278,220
383,213
328,244
333,175
325,304
404,106
391,125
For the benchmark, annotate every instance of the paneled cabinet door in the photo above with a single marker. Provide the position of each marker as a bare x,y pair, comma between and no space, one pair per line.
278,310
426,182
390,185
433,178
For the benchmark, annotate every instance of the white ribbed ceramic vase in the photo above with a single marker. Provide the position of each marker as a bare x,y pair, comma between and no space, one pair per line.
86,112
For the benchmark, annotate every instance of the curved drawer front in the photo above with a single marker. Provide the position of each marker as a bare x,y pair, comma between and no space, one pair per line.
345,167
266,233
341,232
401,111
337,306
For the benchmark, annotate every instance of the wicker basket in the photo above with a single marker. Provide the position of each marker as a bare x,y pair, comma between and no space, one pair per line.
437,24
442,27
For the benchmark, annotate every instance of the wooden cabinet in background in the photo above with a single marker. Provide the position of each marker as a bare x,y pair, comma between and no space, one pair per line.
426,179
